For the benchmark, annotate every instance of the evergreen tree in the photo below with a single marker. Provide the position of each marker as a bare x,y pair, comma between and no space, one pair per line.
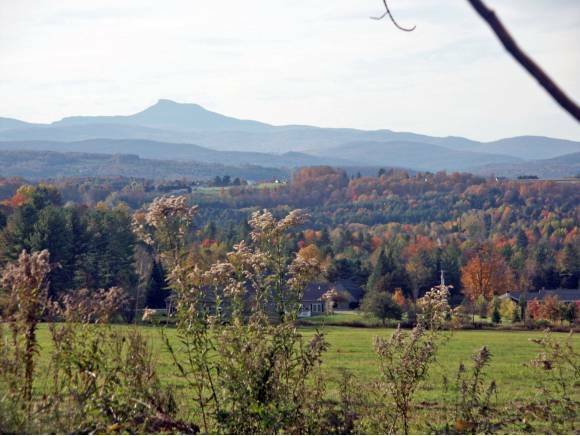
324,237
521,239
569,312
569,266
108,260
243,231
157,290
495,315
450,263
377,272
3,220
381,305
387,274
210,230
42,196
516,316
50,232
15,237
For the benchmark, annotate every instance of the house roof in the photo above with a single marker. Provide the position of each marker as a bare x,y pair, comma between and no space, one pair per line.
564,295
314,291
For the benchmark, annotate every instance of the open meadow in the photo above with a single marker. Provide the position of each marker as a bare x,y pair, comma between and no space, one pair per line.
352,349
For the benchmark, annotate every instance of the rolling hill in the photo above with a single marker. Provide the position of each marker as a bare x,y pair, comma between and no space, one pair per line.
177,131
11,123
555,168
527,147
416,155
176,151
36,165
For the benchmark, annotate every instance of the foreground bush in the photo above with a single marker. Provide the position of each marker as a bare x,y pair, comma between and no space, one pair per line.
101,380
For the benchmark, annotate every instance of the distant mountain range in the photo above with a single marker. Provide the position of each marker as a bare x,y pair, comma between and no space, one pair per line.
175,151
188,132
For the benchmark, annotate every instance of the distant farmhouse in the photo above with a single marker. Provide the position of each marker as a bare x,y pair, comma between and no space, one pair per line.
313,302
564,295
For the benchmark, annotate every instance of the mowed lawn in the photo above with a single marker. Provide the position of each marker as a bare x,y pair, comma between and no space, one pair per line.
352,349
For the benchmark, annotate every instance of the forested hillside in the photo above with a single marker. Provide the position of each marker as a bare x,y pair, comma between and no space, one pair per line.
40,164
396,229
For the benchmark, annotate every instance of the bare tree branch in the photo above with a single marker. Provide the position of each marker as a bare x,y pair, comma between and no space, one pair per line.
524,60
388,12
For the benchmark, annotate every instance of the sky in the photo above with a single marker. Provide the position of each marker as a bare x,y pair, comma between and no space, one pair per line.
314,62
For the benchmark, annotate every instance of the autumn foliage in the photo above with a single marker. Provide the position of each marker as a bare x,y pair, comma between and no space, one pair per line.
486,274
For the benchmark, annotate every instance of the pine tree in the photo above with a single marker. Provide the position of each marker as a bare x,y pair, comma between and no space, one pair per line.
3,220
387,274
15,237
50,232
569,266
379,269
157,290
495,315
210,230
521,239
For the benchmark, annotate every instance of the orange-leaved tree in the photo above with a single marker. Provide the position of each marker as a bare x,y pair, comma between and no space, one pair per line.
486,274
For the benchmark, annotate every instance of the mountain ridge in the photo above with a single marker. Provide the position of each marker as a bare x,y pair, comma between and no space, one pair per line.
170,115
38,165
148,149
169,122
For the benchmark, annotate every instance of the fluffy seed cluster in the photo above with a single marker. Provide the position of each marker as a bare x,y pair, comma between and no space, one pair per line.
164,208
265,226
30,272
85,306
434,307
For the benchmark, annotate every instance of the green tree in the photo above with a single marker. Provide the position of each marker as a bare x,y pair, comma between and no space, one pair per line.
42,196
108,260
3,220
387,274
569,266
568,312
50,232
495,315
381,305
157,289
521,239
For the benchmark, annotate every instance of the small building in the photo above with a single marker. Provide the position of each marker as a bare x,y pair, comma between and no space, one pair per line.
564,295
313,303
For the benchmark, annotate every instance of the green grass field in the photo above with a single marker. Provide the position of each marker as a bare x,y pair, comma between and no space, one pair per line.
352,349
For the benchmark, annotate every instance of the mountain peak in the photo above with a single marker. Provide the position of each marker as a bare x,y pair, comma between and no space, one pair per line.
171,115
165,102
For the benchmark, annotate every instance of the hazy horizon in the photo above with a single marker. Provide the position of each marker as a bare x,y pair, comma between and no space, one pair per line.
285,62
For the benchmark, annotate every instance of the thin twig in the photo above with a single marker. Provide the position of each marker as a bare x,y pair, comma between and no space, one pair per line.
388,12
524,60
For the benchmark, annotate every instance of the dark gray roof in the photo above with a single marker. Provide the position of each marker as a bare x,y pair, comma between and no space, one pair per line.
314,291
565,295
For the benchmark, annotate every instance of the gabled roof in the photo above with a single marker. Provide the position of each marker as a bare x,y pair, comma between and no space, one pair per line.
564,295
314,291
